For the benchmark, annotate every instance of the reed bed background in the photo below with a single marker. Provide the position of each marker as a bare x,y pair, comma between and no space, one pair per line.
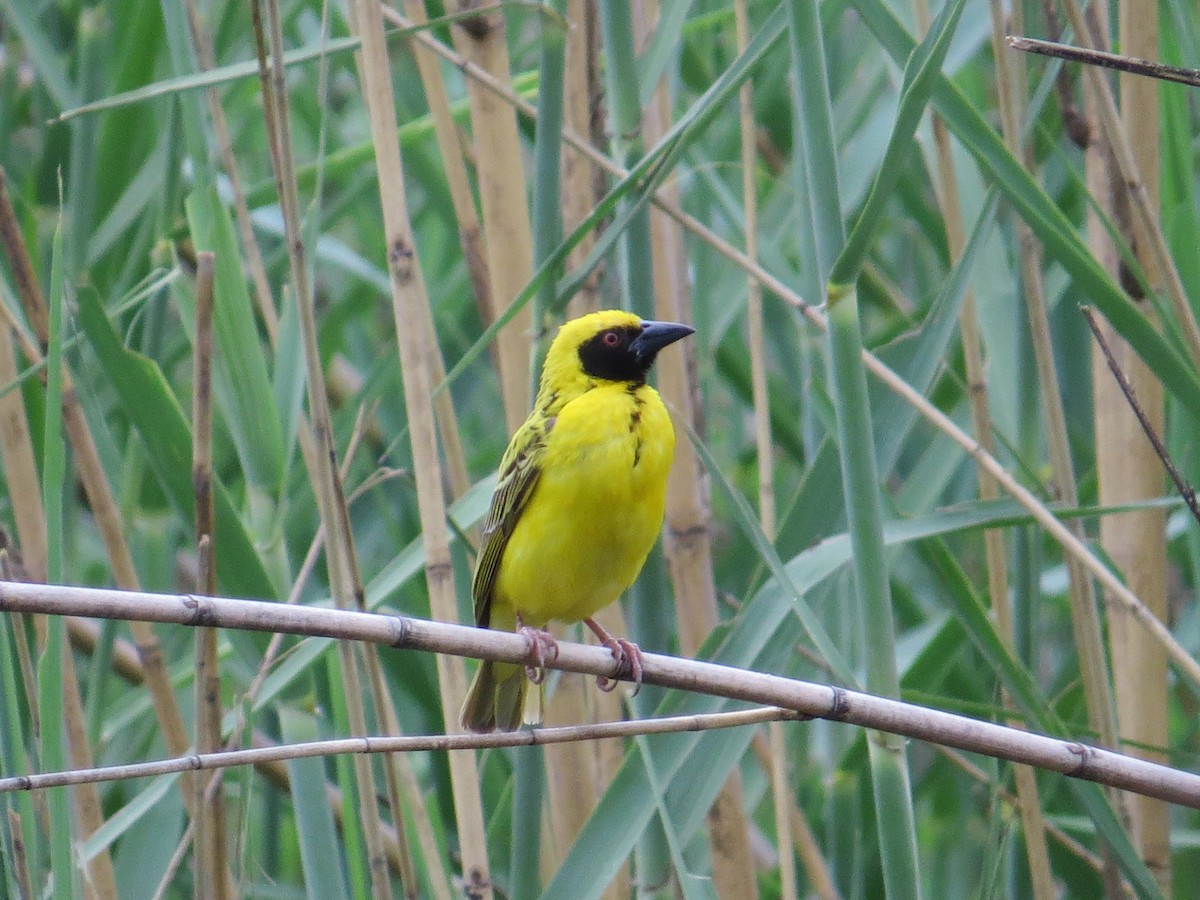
276,278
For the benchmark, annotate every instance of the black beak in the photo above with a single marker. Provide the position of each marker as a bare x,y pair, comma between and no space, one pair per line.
655,336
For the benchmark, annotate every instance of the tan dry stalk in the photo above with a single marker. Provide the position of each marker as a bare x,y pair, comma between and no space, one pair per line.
500,167
20,861
450,149
95,484
1099,167
1010,84
1129,470
469,235
686,539
319,455
20,468
325,482
1132,184
408,301
764,450
536,737
400,768
582,182
85,634
1072,546
824,701
210,859
21,476
1085,618
99,878
572,785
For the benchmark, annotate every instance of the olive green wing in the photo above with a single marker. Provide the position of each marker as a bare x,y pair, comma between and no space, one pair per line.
519,471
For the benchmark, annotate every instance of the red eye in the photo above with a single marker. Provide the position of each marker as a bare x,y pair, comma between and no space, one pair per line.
611,339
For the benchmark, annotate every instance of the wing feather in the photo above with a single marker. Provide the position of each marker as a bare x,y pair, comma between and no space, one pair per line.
519,472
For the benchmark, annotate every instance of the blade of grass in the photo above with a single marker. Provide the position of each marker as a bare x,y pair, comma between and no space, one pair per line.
317,837
894,815
51,666
921,72
150,405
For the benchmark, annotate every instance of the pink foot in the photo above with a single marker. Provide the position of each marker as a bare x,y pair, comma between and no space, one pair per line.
542,647
626,653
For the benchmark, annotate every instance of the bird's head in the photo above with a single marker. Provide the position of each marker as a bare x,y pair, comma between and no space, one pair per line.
611,345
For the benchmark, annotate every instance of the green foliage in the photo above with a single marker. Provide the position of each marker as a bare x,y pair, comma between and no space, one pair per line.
138,201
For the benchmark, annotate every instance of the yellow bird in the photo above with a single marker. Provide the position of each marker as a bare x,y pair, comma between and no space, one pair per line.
578,506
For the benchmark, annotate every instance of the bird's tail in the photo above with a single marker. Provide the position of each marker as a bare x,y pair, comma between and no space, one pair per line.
496,698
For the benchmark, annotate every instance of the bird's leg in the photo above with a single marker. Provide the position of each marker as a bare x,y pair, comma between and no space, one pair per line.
542,647
626,653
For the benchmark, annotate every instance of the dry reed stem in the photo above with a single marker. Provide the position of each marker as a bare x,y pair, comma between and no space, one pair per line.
450,148
582,182
528,737
1120,62
409,308
1073,547
22,479
1132,185
1085,618
1010,84
91,472
1100,166
209,844
470,240
500,170
20,861
1067,757
99,878
325,482
1129,469
20,468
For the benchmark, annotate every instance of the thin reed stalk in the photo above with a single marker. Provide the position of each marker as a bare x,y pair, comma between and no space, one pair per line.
1010,83
1127,465
1070,758
210,841
326,484
409,301
1132,182
508,235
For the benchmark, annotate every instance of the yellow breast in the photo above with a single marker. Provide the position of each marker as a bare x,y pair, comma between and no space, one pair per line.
596,511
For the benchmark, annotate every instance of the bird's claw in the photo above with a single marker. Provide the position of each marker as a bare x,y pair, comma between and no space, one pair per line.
629,664
541,647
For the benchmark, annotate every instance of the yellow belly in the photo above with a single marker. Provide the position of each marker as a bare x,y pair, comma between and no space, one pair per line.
596,511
